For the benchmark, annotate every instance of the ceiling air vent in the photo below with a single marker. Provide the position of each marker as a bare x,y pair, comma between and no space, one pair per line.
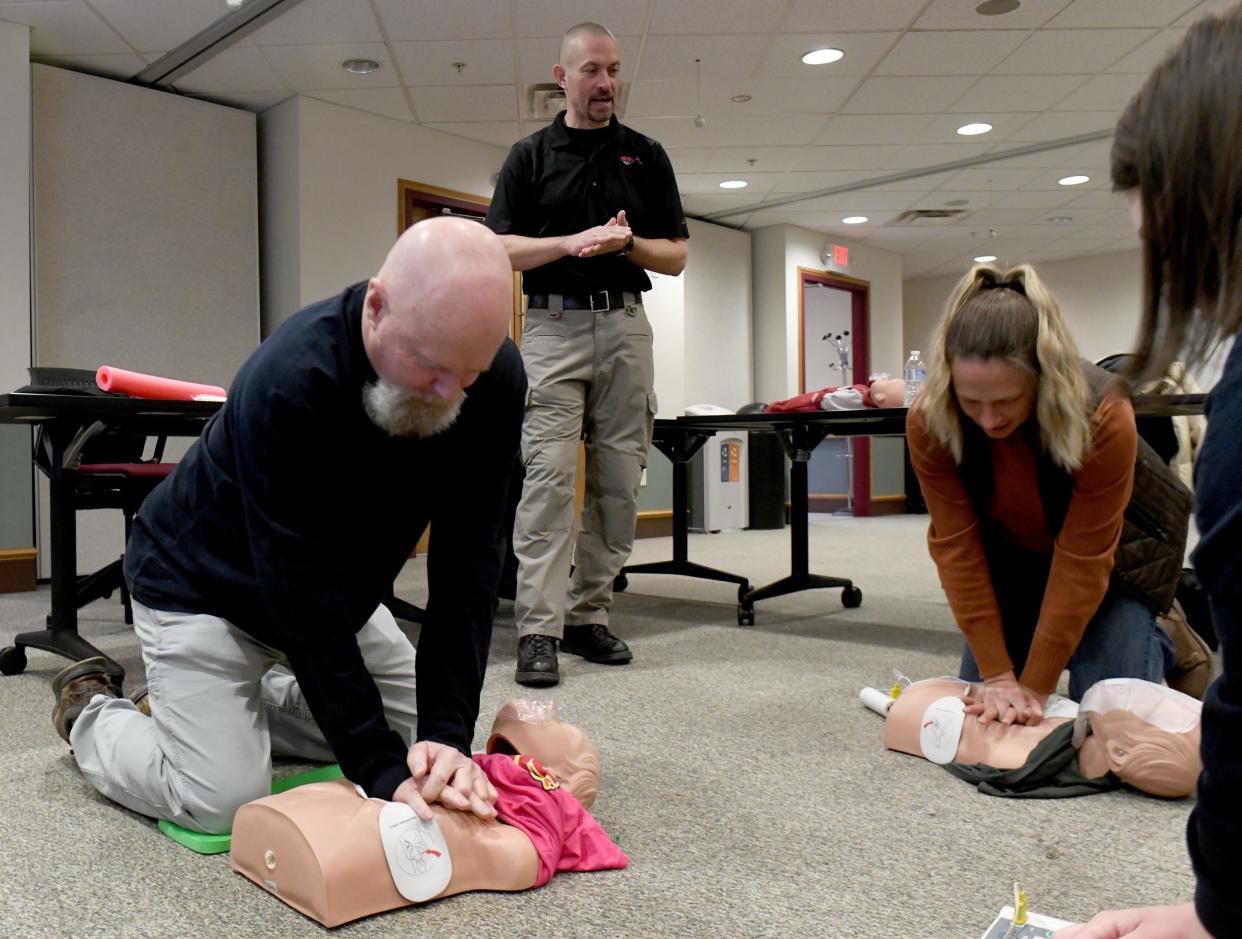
927,217
542,102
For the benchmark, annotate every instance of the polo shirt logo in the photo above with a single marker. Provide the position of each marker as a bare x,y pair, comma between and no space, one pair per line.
630,160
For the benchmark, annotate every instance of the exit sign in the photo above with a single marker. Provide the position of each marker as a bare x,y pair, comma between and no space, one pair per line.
840,255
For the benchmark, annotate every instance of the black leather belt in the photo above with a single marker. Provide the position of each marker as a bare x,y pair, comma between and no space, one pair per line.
600,300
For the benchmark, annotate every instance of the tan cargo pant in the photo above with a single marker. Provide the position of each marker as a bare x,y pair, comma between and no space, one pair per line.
591,376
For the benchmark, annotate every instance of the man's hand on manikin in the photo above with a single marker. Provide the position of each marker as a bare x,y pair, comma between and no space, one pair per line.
1003,698
1153,922
440,773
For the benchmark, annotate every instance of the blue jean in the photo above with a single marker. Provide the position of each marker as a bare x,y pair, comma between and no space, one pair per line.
1122,640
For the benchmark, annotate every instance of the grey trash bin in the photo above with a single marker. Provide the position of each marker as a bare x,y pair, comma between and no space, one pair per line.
766,465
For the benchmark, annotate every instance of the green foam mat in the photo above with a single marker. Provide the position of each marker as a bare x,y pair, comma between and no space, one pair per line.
218,844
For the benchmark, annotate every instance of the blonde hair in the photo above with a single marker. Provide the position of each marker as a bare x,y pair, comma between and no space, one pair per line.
1009,315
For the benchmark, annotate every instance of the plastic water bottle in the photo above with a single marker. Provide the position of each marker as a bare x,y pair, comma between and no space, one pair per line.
915,374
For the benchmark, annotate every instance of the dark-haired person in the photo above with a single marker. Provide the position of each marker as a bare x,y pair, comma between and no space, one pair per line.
1177,154
1033,474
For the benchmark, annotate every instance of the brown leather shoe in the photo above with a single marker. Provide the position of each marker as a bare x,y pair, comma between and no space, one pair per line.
1192,672
74,687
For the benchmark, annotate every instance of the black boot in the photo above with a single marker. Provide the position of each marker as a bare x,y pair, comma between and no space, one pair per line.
596,644
536,661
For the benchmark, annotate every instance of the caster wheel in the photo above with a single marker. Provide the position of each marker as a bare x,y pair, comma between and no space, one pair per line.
620,583
745,615
851,597
12,660
742,590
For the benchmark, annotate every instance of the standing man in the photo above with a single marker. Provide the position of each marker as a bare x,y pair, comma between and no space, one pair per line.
259,567
584,208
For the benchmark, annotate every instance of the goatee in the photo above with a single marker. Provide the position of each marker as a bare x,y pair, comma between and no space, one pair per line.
402,413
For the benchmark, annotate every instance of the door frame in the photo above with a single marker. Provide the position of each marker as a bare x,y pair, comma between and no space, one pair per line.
860,356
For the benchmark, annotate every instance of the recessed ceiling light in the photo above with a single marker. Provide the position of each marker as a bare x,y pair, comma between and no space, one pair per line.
740,99
958,202
734,184
997,7
1061,219
822,56
985,258
1073,180
854,219
360,66
973,130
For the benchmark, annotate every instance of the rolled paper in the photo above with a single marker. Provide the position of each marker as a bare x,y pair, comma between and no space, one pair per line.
139,385
877,700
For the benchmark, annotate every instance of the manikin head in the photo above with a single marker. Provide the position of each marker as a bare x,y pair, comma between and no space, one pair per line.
532,728
433,319
589,69
888,392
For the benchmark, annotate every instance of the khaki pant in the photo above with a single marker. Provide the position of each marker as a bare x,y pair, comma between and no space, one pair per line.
221,704
591,376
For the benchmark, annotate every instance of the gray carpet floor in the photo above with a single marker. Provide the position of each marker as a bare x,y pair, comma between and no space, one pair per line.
749,787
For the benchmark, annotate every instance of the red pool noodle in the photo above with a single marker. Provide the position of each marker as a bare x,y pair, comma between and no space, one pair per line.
152,386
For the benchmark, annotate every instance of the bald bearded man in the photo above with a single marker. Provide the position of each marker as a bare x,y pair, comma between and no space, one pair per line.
258,568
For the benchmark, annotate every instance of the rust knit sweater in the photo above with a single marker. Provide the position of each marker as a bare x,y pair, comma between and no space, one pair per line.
1082,551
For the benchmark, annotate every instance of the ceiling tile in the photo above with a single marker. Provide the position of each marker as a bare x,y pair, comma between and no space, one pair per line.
64,27
1203,9
850,15
486,61
931,95
415,20
1072,51
673,97
1093,14
868,159
954,14
320,22
732,56
718,201
387,102
1085,154
1102,93
709,183
862,53
1050,179
725,16
950,52
485,103
499,133
737,159
122,65
989,179
914,157
996,93
553,17
1035,199
924,182
803,181
234,70
158,25
255,101
317,68
1055,125
873,128
689,159
1099,199
1148,55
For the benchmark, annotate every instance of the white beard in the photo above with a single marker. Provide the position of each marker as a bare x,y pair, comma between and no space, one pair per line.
401,413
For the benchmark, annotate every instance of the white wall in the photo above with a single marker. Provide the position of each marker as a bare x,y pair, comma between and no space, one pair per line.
343,166
718,352
16,518
1100,297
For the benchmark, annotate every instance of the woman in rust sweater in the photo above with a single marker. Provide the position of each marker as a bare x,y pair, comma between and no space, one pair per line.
1026,457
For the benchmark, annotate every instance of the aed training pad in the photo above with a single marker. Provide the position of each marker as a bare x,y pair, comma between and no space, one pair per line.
218,844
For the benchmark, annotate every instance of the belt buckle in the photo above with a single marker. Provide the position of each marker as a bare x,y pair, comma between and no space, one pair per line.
607,304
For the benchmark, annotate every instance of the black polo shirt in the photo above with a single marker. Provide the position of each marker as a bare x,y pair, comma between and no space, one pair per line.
562,180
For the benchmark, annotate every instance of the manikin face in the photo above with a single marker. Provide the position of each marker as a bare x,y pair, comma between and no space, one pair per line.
994,393
592,81
563,748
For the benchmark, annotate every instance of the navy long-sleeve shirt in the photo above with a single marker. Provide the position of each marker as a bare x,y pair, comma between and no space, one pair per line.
292,514
1215,830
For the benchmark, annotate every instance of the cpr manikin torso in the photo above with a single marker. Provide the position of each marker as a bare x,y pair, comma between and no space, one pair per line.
1146,735
319,849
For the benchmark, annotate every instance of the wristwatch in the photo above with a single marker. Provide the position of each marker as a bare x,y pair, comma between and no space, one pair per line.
629,246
